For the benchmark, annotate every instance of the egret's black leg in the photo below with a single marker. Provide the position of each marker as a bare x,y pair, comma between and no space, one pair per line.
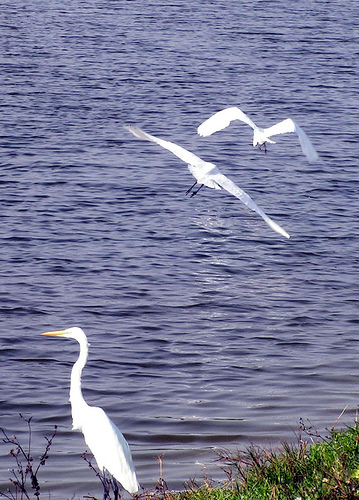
264,145
195,192
190,189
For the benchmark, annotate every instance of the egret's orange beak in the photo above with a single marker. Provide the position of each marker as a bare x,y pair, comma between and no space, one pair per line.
55,333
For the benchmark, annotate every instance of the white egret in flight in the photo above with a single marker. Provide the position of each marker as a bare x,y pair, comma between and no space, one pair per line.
261,136
207,174
104,439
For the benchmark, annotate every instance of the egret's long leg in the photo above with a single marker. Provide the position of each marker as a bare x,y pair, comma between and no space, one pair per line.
264,147
190,189
195,192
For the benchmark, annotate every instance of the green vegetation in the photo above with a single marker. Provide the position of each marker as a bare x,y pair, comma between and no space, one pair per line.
316,468
327,469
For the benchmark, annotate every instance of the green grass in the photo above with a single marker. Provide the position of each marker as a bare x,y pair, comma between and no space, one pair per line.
327,469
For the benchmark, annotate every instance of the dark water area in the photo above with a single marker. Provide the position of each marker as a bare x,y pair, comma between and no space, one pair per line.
207,329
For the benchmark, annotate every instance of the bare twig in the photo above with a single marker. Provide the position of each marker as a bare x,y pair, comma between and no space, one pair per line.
25,468
109,484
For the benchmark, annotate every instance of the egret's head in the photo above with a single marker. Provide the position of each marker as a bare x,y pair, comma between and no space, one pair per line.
71,333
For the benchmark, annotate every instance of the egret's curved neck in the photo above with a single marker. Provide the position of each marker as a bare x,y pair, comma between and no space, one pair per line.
76,398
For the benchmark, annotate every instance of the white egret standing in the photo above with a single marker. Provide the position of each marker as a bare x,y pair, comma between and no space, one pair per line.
222,119
104,439
207,174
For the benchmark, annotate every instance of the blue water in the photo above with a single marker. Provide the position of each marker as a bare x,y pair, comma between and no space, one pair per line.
207,329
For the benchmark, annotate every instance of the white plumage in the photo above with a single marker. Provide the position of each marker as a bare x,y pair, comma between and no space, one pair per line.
107,444
207,174
261,136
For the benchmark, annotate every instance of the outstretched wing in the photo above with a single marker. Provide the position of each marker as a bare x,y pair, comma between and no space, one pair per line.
232,188
222,119
180,152
289,125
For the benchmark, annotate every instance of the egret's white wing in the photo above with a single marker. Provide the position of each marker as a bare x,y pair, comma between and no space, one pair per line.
282,127
307,147
289,125
222,119
199,168
109,448
232,188
180,152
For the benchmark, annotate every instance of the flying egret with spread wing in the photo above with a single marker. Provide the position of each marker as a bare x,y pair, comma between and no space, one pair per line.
104,439
207,174
261,136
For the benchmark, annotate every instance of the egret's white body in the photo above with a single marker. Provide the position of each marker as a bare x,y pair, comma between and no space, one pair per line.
207,174
261,136
104,439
